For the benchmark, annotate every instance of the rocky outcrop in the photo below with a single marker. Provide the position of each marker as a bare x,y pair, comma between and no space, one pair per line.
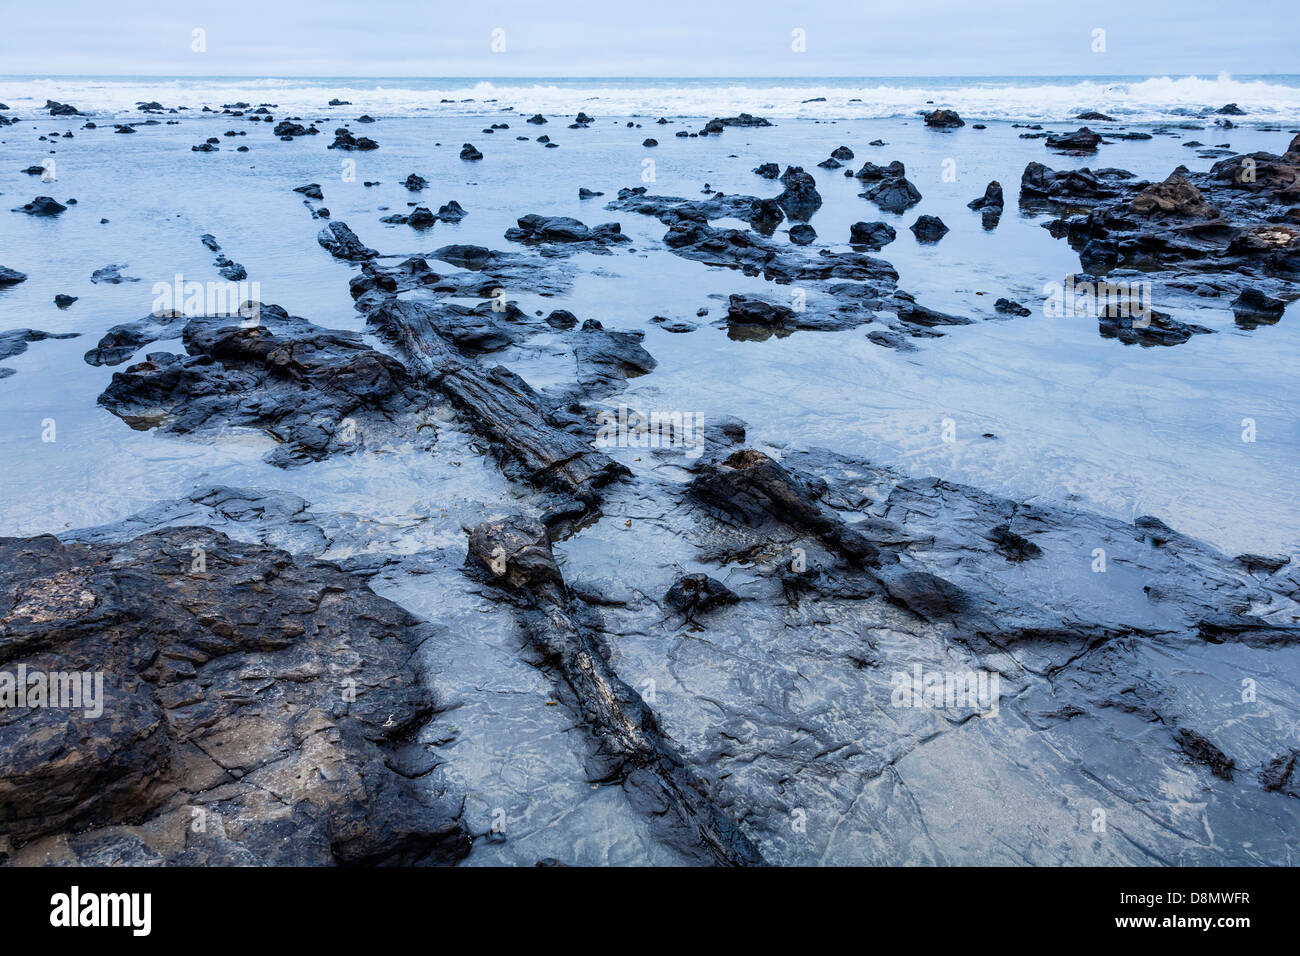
628,746
240,708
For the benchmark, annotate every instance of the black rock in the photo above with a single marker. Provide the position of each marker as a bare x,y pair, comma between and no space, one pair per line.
992,197
929,229
874,235
42,206
693,594
1081,140
311,191
800,198
468,152
944,119
893,194
412,182
63,301
11,276
451,212
561,319
766,170
342,243
1008,307
802,234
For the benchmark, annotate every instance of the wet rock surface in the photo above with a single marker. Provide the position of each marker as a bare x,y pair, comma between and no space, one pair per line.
256,710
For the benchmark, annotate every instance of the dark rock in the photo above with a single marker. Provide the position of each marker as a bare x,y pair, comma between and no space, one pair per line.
929,229
693,594
1253,308
802,234
766,170
561,319
342,243
182,728
1008,307
515,551
468,152
11,276
1082,140
451,212
1012,546
943,119
800,198
565,231
1201,751
63,301
412,182
992,198
344,140
874,235
1173,197
311,191
893,194
42,206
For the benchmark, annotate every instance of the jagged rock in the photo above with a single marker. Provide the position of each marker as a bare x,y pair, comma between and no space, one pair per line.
516,551
342,243
563,230
944,119
874,235
800,198
451,212
929,229
893,194
1173,197
1082,140
992,198
344,140
224,690
42,206
694,594
317,391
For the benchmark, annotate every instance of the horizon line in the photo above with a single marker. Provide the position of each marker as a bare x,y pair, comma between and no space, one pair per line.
614,76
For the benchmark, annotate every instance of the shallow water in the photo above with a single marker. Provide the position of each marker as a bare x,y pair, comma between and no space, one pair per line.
1118,429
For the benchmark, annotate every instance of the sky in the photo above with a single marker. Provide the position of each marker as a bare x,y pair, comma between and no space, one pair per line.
679,38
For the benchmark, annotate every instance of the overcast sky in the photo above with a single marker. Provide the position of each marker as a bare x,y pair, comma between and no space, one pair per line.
558,38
